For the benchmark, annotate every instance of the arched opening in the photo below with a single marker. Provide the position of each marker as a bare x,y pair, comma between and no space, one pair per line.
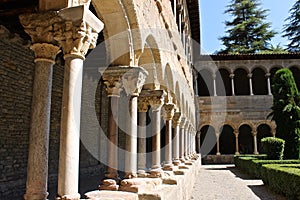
259,82
296,73
205,83
223,83
263,131
227,140
241,82
208,140
245,140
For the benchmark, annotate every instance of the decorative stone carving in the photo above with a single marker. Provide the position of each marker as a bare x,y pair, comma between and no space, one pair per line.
133,80
168,111
157,99
113,85
45,52
143,104
176,119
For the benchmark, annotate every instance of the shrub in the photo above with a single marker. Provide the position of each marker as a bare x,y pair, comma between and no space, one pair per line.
283,179
273,147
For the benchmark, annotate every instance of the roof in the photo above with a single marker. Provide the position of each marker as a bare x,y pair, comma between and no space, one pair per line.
219,57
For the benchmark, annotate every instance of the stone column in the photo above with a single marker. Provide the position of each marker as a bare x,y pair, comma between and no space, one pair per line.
168,116
269,83
45,49
176,138
254,133
218,143
236,134
133,81
142,109
156,102
186,137
250,84
79,33
232,84
182,133
198,141
215,84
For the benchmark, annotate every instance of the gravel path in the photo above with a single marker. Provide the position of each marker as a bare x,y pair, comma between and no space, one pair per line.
225,182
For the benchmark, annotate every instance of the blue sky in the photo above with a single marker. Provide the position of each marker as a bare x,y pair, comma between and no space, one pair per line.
213,17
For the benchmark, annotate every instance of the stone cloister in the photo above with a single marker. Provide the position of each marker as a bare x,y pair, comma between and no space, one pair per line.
148,55
237,92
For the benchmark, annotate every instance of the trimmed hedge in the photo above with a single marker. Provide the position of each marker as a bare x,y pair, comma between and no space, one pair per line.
252,165
283,179
273,147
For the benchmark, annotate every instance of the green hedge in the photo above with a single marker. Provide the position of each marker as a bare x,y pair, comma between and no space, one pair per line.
252,165
283,179
273,147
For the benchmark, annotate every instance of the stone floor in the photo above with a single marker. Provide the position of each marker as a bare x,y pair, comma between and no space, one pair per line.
224,182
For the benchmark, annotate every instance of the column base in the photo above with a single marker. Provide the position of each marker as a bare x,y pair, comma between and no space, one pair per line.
141,173
68,197
109,184
41,195
168,167
237,153
218,154
130,175
176,162
156,173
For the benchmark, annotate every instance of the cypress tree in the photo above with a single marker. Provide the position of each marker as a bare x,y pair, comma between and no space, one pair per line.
286,111
292,28
247,32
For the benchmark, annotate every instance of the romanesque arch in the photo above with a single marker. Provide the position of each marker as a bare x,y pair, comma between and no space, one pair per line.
227,140
245,139
263,130
259,82
241,82
223,82
296,72
205,83
208,140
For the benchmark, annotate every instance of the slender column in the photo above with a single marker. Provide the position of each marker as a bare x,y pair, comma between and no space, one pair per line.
180,21
142,108
218,143
215,84
232,84
168,116
254,133
176,123
269,83
250,84
186,137
133,81
45,50
182,133
156,103
198,142
175,10
77,36
236,134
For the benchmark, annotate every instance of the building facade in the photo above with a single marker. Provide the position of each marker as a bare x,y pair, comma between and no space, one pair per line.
98,89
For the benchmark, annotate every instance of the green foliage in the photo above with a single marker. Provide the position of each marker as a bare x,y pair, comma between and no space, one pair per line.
291,29
273,147
283,179
274,49
247,32
286,111
253,165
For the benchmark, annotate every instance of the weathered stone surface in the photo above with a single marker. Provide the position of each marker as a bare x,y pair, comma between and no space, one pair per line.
111,195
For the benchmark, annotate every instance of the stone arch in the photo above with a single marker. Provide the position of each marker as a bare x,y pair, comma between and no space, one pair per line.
208,140
168,79
119,34
296,73
263,130
272,73
150,60
245,139
241,82
205,83
223,82
227,140
259,81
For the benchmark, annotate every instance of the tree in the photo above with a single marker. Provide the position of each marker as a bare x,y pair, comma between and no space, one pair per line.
286,111
246,32
274,49
292,28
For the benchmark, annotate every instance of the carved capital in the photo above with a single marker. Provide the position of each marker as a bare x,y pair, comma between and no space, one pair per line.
45,52
157,100
249,75
80,30
176,119
133,80
168,111
143,104
41,27
113,85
